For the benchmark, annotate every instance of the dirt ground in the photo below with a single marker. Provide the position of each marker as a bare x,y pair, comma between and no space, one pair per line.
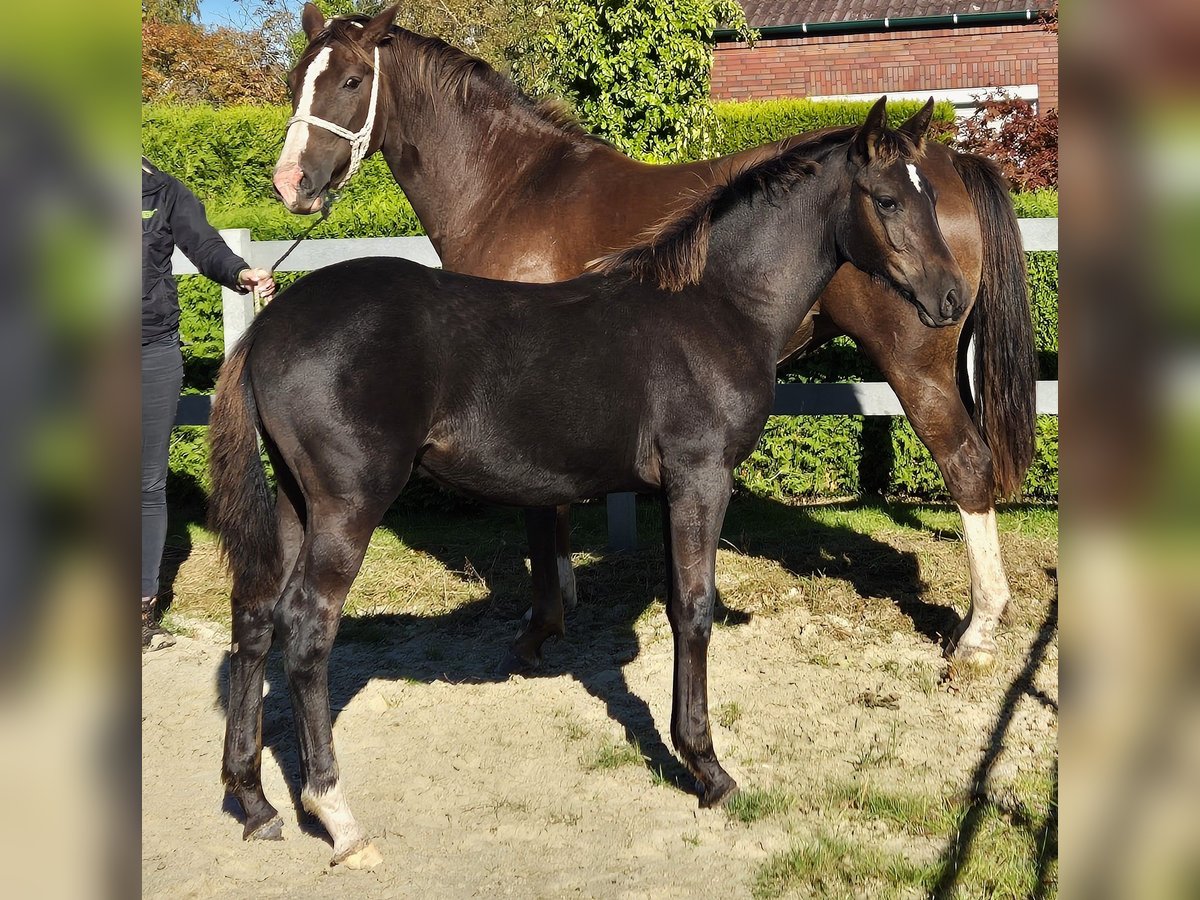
472,785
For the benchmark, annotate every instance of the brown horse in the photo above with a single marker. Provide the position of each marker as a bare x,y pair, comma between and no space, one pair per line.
657,375
513,190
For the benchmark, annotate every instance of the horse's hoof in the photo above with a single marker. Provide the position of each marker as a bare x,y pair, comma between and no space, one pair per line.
721,792
513,664
270,830
978,658
364,856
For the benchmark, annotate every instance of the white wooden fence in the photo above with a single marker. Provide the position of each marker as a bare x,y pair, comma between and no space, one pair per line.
874,398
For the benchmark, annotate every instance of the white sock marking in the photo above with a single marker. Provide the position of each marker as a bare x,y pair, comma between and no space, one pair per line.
989,586
333,811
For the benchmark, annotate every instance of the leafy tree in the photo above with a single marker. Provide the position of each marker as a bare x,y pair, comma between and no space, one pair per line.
486,28
1024,143
635,72
170,12
184,63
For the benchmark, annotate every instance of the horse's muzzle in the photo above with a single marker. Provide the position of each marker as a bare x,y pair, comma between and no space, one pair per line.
296,191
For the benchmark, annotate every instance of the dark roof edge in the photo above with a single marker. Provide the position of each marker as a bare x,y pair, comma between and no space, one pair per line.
897,23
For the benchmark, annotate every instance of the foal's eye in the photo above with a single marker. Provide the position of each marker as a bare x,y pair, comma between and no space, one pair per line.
887,204
352,82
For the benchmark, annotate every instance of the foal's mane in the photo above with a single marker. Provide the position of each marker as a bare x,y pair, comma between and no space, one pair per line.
442,68
673,252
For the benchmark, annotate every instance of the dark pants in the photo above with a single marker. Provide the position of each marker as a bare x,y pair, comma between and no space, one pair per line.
162,376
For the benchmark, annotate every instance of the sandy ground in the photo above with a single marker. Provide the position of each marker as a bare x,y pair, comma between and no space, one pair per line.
475,786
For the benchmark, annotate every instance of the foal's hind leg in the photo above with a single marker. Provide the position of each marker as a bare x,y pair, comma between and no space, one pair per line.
562,547
546,618
693,510
252,629
307,618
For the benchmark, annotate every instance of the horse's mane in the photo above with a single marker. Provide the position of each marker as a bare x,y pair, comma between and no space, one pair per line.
673,252
443,68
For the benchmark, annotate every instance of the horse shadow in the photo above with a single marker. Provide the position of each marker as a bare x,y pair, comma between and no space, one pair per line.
185,507
468,642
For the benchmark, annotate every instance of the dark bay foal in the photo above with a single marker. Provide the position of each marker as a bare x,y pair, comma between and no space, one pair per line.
657,375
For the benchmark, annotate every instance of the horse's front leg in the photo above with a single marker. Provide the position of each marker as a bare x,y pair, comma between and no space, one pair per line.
930,397
546,617
694,504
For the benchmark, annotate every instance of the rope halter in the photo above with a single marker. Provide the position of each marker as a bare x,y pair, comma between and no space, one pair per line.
359,140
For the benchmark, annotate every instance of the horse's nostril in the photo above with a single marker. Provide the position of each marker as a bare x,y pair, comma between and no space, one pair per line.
305,186
949,304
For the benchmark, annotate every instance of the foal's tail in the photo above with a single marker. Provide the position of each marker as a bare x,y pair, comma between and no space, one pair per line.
240,507
1005,360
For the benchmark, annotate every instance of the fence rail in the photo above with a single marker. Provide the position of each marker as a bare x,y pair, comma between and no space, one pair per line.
874,398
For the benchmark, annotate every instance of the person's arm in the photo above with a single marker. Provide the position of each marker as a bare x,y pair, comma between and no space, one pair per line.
204,246
200,242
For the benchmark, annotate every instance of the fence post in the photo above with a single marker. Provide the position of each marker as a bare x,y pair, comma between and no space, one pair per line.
237,310
622,521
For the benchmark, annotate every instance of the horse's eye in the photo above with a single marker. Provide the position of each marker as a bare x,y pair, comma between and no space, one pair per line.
887,204
352,82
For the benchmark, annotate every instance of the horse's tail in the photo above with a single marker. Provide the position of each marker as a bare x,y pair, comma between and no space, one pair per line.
240,506
1005,358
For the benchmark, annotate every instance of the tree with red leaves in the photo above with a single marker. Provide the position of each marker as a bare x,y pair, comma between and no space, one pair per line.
1024,143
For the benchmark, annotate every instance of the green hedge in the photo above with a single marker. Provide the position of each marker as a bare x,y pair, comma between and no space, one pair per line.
748,123
227,155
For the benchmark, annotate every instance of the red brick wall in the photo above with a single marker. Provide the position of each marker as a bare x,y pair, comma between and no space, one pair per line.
896,61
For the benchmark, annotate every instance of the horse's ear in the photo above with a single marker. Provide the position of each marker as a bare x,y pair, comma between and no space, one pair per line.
312,19
379,29
918,126
866,141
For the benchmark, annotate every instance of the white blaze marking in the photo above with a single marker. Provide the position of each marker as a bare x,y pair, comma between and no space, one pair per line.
297,133
916,178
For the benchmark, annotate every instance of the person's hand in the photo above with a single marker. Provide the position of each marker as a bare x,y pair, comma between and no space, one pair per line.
259,281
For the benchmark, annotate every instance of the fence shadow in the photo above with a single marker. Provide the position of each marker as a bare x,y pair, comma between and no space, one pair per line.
960,844
467,643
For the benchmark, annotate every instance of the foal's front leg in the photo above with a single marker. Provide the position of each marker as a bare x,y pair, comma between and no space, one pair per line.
693,510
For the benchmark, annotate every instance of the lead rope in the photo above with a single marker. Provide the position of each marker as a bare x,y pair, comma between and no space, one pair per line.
325,208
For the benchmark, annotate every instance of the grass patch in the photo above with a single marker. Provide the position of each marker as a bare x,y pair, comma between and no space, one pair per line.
910,813
613,756
1004,845
829,866
753,804
880,752
728,714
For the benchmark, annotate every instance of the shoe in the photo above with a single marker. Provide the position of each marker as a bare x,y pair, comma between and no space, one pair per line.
154,636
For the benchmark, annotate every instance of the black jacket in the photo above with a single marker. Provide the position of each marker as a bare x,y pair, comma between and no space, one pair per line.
171,215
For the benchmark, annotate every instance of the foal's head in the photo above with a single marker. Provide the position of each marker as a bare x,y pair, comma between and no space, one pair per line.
891,230
337,106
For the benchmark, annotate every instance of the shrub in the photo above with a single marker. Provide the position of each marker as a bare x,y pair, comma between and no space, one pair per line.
748,123
1022,141
227,156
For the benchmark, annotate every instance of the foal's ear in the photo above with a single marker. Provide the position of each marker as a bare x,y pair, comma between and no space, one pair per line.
379,29
918,126
312,19
866,141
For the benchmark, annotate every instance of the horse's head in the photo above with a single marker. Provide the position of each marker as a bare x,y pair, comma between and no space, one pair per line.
891,230
336,106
